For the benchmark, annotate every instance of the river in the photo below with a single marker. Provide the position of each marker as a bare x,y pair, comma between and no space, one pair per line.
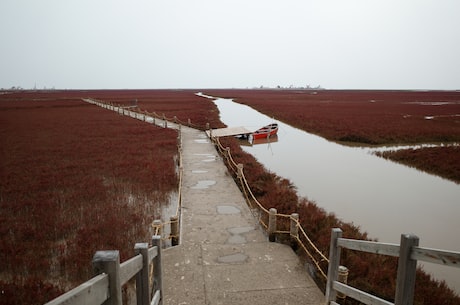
384,198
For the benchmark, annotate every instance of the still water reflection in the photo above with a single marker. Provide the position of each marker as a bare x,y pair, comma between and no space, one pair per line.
384,198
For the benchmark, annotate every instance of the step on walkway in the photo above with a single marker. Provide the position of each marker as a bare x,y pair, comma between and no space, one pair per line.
223,256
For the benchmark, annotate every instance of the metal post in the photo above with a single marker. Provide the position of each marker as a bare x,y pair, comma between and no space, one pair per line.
407,267
272,224
334,262
142,277
109,262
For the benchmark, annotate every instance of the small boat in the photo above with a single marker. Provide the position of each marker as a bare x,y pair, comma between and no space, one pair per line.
265,132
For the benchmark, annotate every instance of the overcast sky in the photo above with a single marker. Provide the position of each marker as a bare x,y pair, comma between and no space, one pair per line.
338,44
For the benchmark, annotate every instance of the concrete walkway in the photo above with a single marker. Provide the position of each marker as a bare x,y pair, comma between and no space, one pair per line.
223,256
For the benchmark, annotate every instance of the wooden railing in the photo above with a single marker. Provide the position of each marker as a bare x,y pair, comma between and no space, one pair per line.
105,287
408,252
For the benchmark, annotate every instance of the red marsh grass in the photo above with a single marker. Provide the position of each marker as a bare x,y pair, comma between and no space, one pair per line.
75,178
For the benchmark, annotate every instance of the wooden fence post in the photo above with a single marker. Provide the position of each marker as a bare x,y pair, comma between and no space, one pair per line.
157,224
342,277
174,230
240,167
142,277
157,270
334,262
294,230
109,262
272,224
407,267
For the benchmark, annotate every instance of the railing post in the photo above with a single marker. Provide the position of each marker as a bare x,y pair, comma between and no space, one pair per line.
174,230
342,277
294,229
407,267
334,262
157,270
240,167
109,262
142,277
272,224
157,227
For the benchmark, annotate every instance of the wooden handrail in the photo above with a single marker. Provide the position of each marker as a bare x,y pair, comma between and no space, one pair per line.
105,286
408,252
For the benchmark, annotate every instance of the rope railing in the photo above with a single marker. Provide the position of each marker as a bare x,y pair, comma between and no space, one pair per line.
264,214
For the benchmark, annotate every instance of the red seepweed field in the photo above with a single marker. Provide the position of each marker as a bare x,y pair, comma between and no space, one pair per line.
370,117
76,178
362,117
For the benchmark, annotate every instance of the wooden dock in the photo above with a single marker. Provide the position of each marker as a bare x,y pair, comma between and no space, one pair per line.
228,131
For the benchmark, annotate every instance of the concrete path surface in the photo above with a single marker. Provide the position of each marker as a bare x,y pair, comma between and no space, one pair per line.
223,256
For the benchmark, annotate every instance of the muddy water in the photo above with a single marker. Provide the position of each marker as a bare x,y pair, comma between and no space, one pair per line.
384,198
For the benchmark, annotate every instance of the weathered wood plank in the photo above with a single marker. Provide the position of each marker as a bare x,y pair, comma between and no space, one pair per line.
369,246
334,262
359,295
228,131
94,291
405,281
157,268
448,258
108,262
142,277
130,268
153,252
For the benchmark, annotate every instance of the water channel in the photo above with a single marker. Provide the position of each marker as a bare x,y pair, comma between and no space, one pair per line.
384,198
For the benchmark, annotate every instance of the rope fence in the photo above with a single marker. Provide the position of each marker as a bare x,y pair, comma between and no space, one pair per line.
273,222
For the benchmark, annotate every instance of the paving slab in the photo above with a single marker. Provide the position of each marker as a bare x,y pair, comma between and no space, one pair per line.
224,257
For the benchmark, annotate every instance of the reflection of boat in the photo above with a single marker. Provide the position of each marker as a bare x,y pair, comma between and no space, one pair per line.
250,141
270,139
265,132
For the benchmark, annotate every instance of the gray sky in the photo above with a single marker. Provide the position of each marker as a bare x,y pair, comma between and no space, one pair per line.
338,44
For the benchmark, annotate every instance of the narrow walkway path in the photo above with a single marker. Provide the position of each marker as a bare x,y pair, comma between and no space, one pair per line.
224,258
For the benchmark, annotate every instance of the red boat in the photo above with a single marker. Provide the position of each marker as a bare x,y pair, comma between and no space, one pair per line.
265,132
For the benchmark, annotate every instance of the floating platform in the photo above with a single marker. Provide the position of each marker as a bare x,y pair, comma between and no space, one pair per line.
229,131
